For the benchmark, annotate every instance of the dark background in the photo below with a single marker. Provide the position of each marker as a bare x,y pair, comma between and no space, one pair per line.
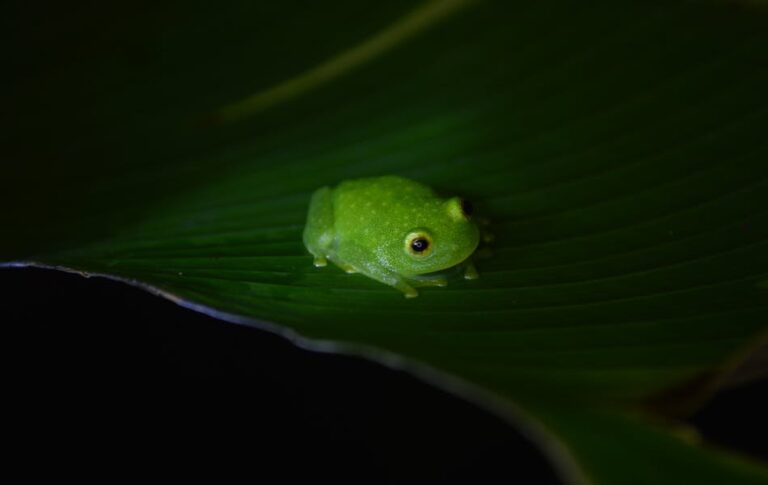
100,372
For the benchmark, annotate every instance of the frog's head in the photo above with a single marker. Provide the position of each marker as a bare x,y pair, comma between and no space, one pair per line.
446,236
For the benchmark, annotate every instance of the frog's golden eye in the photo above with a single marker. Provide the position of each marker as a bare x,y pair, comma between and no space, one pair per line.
418,244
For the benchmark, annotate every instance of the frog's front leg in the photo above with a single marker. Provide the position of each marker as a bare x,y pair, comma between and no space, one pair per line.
348,268
393,279
408,290
485,234
388,277
470,272
430,281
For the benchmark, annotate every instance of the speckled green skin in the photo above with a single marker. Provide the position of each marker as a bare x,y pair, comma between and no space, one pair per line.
364,225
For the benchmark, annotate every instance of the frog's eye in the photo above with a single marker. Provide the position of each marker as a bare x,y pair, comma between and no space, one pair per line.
466,208
418,244
460,210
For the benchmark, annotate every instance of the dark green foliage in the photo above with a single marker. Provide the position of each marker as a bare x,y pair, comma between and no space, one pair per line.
619,149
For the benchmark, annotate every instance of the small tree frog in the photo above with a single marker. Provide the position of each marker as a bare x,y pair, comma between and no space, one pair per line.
391,229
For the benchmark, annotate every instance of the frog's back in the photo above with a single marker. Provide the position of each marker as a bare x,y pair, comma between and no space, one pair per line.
370,205
387,187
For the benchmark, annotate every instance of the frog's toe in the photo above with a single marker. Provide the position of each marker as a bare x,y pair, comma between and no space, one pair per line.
411,293
320,261
470,272
441,282
347,268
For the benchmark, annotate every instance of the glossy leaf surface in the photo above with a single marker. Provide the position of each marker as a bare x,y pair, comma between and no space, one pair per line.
618,148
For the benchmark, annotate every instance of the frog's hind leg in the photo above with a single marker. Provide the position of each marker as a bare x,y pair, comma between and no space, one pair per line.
318,233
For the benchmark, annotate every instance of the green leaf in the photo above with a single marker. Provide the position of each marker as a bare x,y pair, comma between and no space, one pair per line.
619,149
